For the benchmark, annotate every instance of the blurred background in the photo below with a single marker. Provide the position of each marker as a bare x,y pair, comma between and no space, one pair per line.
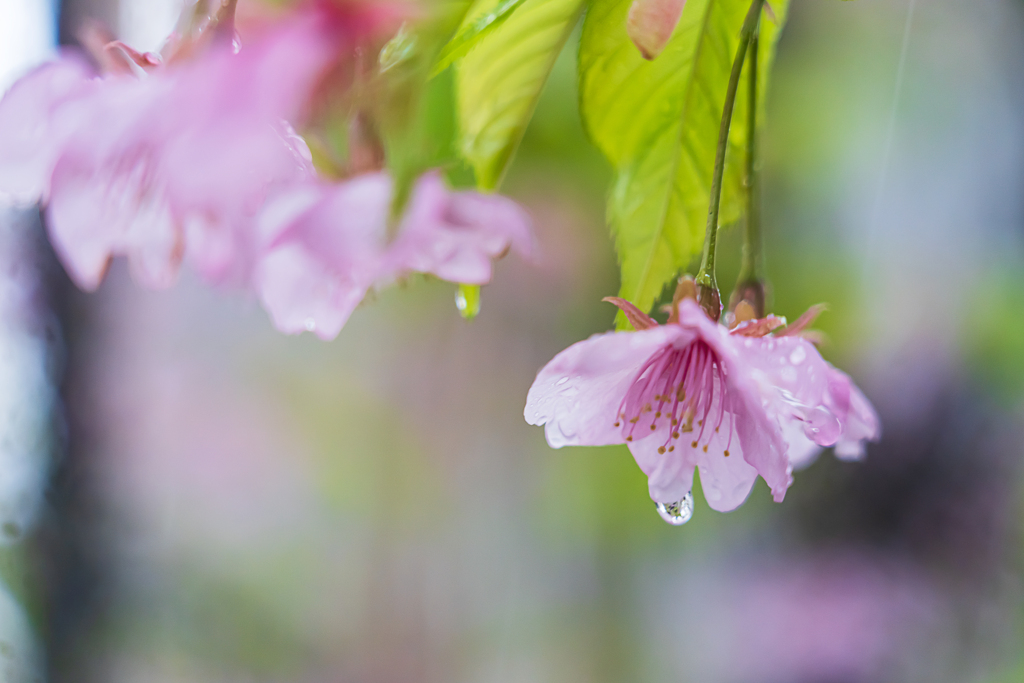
188,496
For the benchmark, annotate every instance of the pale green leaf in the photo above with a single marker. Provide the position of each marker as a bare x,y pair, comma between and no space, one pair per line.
657,122
500,79
470,33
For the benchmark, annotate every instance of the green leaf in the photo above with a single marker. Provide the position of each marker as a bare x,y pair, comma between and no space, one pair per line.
471,32
499,81
414,114
657,122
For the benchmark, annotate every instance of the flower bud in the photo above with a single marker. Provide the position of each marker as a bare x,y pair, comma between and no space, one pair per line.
753,292
650,24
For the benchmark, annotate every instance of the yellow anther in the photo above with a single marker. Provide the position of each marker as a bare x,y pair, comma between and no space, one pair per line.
694,444
661,449
705,448
675,435
727,454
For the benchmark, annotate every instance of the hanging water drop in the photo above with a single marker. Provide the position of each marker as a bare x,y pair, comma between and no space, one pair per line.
678,513
467,300
310,325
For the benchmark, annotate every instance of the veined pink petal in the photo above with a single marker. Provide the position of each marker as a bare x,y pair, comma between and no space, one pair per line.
759,435
726,477
651,22
577,395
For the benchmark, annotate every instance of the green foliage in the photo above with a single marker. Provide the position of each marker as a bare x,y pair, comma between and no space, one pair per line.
415,113
657,122
470,33
499,80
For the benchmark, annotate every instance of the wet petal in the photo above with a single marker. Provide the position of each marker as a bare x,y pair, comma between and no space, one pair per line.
725,479
456,235
577,395
857,415
303,295
668,463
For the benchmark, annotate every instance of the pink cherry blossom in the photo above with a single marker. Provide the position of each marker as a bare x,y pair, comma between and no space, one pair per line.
328,246
169,162
691,395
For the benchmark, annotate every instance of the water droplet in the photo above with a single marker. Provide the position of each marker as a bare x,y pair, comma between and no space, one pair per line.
562,381
678,513
467,300
798,356
822,426
310,324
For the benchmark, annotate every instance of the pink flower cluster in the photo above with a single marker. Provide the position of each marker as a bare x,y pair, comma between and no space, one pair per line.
193,157
692,394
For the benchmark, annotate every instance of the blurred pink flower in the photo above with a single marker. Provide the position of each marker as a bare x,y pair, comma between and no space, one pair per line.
160,162
690,394
328,245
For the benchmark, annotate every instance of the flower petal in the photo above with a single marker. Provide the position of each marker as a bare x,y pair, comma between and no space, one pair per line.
577,395
858,417
759,435
37,115
725,479
455,235
96,214
325,245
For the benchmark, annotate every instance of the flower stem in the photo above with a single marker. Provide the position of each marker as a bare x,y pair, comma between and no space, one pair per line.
750,285
707,287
